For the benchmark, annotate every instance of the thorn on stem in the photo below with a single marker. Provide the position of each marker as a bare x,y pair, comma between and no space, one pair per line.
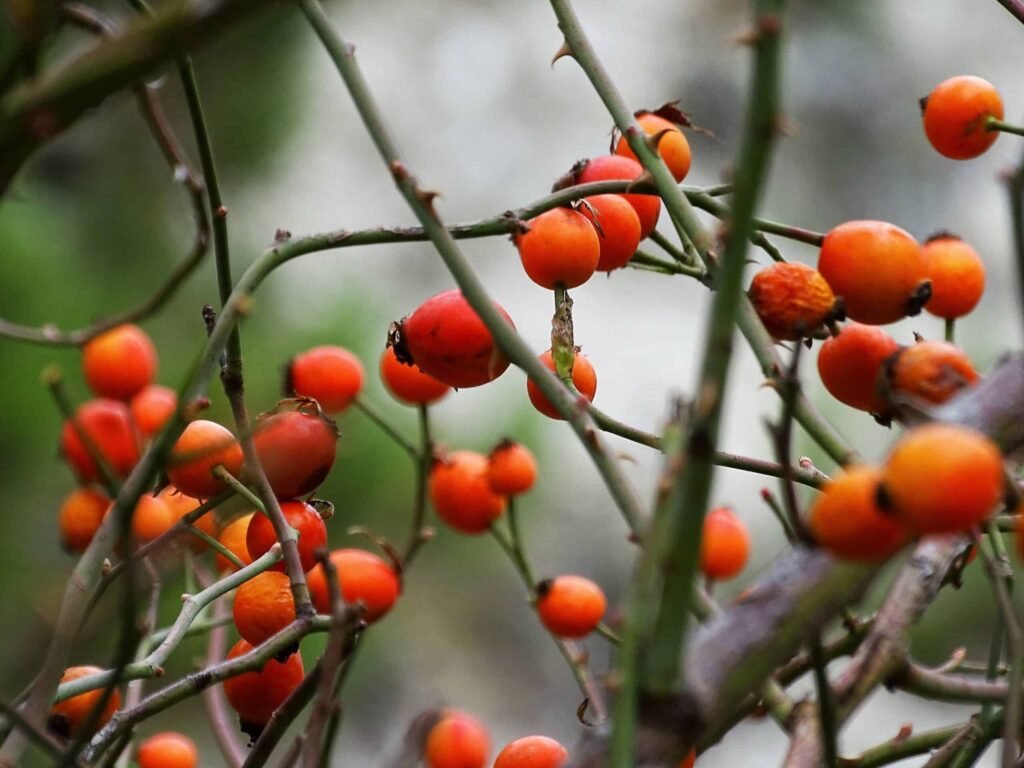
564,50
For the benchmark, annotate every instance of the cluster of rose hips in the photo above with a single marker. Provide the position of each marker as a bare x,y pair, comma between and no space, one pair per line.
938,478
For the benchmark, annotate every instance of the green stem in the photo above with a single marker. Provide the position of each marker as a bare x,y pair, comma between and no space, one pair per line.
424,461
998,125
950,329
676,547
374,415
240,489
720,210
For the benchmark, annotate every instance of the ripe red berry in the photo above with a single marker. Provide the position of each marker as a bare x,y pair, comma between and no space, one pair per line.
957,274
792,300
532,752
108,426
409,384
332,376
180,505
618,229
941,478
570,606
120,362
846,519
364,578
616,168
724,545
956,116
232,538
256,695
203,446
672,146
263,606
461,495
851,364
877,269
447,340
458,740
81,514
559,248
70,717
312,532
511,469
151,518
168,750
296,445
584,379
152,407
932,371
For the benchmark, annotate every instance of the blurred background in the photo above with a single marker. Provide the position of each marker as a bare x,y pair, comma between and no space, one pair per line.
94,221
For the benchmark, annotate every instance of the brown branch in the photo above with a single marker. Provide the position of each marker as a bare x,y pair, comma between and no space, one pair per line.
40,109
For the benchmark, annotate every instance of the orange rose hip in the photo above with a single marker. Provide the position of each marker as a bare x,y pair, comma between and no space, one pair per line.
792,300
877,269
618,229
584,379
846,519
724,545
957,274
851,364
956,116
942,478
559,248
570,606
461,494
120,362
672,146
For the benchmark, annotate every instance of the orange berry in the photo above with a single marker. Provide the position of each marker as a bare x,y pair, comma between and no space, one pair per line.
570,606
296,445
845,518
724,545
877,269
532,752
616,168
957,274
180,505
584,378
363,577
458,740
792,300
256,695
930,370
409,384
108,426
446,338
618,229
81,514
956,116
941,478
559,248
263,606
168,750
672,146
200,448
69,717
511,469
151,407
119,362
260,536
332,376
232,538
461,495
851,363
151,518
